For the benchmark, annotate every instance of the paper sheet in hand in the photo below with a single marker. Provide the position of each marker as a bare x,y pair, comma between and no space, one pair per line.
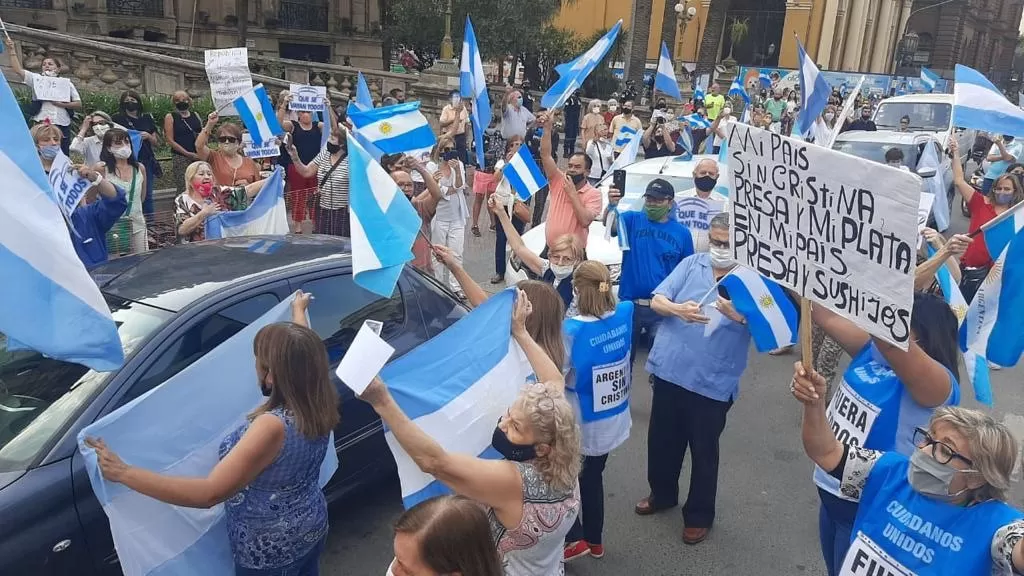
714,319
52,88
364,359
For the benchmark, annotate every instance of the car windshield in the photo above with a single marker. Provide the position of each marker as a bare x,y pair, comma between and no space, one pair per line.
924,116
40,396
875,151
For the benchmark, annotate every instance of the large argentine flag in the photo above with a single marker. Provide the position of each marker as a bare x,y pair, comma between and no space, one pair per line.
771,315
394,129
176,429
572,74
524,175
455,401
737,89
1001,231
473,84
626,134
266,214
979,105
665,80
257,113
384,223
363,101
50,304
815,92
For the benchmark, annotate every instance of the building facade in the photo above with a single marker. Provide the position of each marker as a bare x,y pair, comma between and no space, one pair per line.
314,30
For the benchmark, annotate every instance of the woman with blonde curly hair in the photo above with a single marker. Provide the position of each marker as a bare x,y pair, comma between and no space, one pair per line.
202,198
532,494
598,343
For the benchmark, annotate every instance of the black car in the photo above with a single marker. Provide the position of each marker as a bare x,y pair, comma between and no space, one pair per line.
171,307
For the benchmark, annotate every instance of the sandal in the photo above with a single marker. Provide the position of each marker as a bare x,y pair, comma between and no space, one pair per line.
476,231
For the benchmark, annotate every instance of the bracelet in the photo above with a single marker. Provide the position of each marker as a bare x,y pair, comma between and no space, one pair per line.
99,178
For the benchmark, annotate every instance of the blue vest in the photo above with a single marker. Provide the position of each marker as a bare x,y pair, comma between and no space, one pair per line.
600,358
564,287
872,409
899,531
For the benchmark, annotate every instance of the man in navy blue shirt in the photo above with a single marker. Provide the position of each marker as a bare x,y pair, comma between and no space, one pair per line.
92,220
657,243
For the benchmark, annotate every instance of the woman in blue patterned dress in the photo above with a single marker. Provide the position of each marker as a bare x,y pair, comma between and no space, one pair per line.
269,467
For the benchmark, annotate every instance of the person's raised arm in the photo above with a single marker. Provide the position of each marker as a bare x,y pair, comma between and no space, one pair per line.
546,158
1000,153
532,261
475,295
333,119
202,151
15,61
299,306
282,114
253,188
946,254
962,185
544,367
433,188
850,338
304,170
614,196
645,140
820,443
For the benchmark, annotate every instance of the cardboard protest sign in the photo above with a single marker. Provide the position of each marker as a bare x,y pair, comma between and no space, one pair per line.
306,98
838,230
68,186
228,71
269,149
51,88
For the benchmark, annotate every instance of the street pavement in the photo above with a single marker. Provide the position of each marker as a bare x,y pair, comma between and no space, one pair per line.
767,506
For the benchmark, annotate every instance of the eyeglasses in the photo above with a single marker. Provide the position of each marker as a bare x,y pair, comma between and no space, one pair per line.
560,260
942,453
227,139
718,243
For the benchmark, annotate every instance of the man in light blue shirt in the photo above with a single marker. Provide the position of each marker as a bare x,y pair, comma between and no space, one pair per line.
1005,151
696,378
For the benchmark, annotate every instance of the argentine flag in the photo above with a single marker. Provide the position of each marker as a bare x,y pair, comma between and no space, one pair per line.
1002,230
473,84
455,402
737,89
524,175
384,223
363,101
51,304
626,134
257,113
771,316
572,74
979,105
176,429
265,215
814,93
401,128
722,185
698,91
685,142
929,79
665,80
696,121
135,137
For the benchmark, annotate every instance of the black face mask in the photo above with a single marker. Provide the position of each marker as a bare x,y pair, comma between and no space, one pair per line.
627,111
182,106
661,106
131,106
578,179
659,138
705,183
510,450
333,148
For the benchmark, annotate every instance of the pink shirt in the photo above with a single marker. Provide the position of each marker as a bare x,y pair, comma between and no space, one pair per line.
561,216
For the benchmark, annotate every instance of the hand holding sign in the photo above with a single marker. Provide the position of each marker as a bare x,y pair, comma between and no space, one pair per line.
807,387
306,98
365,358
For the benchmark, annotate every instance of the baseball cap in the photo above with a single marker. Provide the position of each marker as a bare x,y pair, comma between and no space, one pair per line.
660,189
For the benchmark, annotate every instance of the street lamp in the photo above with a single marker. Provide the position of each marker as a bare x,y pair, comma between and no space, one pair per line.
683,16
447,53
908,47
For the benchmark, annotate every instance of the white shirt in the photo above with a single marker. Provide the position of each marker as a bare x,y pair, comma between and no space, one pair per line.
723,125
600,153
514,122
49,111
452,206
89,147
717,202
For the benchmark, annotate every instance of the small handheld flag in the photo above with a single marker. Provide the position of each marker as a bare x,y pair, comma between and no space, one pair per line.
473,84
665,80
401,128
929,79
257,113
363,101
815,92
771,315
572,74
737,89
524,175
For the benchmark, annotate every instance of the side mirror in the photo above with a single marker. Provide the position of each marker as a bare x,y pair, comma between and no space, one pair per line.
926,172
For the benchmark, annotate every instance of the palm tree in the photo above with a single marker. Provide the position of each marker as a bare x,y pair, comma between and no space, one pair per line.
737,33
640,31
709,43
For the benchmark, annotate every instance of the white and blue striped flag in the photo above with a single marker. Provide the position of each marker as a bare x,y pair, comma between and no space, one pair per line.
814,93
455,402
937,185
764,79
979,105
685,142
176,429
383,221
737,89
696,121
950,290
473,84
929,79
524,175
771,316
572,73
401,128
626,134
51,304
698,91
722,185
363,101
257,113
265,215
665,79
1002,230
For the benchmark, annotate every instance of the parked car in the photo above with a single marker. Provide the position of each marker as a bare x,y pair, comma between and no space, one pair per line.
638,175
172,306
928,113
873,146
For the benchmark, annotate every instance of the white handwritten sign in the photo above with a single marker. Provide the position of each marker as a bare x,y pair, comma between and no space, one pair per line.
696,213
51,88
68,186
306,98
228,71
269,149
839,230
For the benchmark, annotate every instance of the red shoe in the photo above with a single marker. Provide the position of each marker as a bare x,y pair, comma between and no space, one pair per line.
576,550
597,550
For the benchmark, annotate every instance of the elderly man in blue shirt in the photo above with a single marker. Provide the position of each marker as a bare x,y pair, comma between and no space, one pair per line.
696,378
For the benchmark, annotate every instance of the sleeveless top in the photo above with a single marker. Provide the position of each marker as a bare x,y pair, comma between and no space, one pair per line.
307,142
535,547
133,194
899,531
282,514
872,409
186,130
599,385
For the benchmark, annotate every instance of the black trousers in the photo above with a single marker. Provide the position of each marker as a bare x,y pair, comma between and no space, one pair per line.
501,242
539,200
590,522
681,419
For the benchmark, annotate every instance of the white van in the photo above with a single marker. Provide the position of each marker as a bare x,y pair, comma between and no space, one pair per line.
927,113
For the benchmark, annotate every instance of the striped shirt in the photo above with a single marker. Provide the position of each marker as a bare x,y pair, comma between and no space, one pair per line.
333,192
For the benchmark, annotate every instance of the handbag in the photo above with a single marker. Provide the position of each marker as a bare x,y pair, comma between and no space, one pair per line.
119,237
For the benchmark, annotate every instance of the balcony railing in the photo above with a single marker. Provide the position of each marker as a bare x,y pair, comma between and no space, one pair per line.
146,8
33,4
303,15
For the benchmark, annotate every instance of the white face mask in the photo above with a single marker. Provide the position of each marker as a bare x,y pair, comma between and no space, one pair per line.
595,110
121,152
613,108
721,258
100,129
829,116
49,72
562,271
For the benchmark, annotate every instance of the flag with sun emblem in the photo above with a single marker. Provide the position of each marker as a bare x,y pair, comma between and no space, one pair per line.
401,128
950,290
257,113
771,316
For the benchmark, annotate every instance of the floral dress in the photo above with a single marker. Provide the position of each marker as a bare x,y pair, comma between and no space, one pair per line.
185,207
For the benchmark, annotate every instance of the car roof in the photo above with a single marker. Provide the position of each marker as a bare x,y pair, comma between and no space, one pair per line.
884,136
174,277
920,98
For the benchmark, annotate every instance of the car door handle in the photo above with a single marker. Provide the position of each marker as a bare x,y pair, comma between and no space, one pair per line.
62,546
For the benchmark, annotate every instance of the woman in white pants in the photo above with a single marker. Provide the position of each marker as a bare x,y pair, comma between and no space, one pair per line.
449,225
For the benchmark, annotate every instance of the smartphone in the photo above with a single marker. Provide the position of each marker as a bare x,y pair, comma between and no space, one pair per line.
723,292
619,181
450,155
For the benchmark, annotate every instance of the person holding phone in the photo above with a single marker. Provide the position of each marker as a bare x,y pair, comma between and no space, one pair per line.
656,140
696,378
449,225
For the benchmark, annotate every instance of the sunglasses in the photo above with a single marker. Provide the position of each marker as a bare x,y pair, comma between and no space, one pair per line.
227,139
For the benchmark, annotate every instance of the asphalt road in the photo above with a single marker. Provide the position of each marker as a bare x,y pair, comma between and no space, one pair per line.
767,505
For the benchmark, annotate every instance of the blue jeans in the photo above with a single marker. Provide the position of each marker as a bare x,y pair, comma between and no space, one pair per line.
834,529
643,319
308,565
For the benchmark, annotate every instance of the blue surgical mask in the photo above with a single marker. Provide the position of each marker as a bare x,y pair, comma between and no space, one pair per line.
48,152
519,100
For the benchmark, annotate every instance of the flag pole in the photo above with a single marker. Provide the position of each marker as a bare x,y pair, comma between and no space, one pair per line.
806,349
4,28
